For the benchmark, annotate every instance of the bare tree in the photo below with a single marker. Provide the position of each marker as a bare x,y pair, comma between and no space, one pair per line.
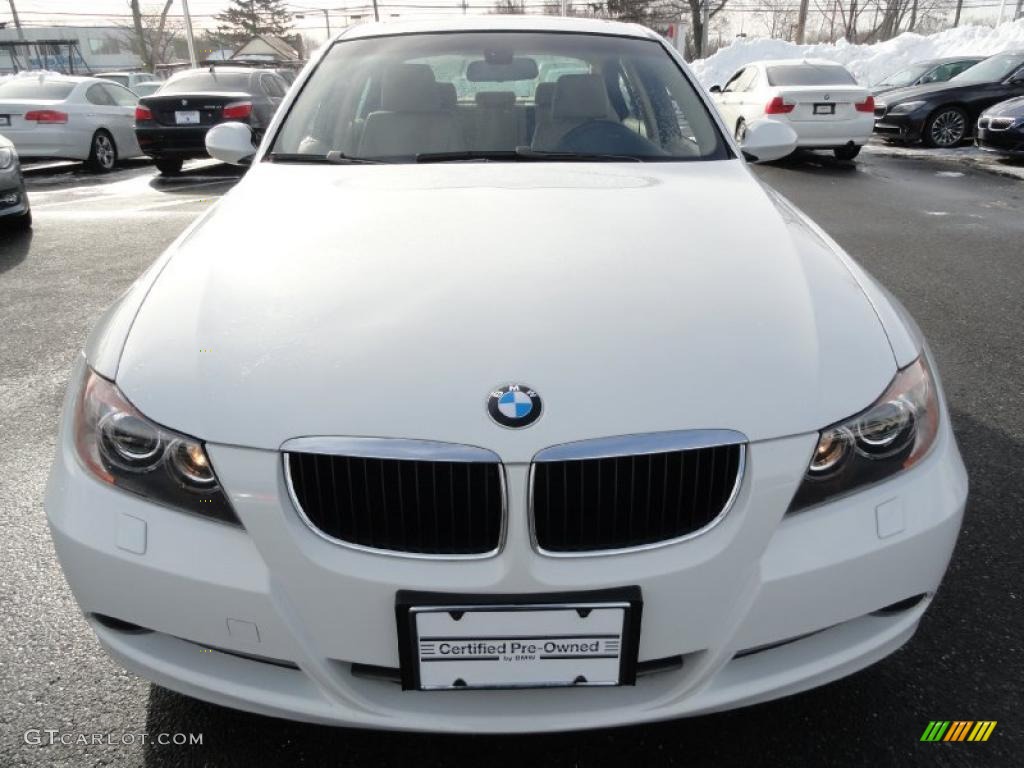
509,7
696,11
779,19
151,34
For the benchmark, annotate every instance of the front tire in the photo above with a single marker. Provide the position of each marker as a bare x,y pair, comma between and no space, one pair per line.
169,166
102,153
846,153
946,128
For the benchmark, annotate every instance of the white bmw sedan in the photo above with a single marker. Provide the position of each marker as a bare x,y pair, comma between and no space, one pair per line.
497,422
819,99
70,118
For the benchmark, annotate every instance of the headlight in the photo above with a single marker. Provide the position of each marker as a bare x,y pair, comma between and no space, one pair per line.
892,435
120,446
7,158
904,108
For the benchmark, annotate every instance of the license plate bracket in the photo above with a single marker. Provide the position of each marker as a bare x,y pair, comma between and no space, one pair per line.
187,117
824,109
595,633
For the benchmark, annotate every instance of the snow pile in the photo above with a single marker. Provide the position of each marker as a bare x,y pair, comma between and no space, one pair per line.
868,63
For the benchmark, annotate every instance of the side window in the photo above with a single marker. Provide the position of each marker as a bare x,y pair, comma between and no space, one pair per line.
750,80
98,95
961,66
940,74
734,81
271,86
122,97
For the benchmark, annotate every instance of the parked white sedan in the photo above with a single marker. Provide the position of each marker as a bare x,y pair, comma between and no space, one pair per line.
73,118
497,396
819,99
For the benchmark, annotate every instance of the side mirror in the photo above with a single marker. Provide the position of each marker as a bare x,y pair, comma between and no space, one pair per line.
766,140
715,89
230,143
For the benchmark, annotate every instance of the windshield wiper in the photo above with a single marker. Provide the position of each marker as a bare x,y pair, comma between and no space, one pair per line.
522,154
526,153
333,158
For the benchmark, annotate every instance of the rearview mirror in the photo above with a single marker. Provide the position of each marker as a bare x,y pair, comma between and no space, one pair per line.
230,143
715,89
766,140
501,72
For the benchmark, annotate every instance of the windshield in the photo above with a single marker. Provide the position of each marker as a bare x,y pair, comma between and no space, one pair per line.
809,74
905,76
499,95
29,88
207,82
991,70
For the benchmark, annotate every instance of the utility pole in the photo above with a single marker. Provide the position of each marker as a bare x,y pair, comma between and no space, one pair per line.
17,21
801,22
705,19
327,19
1002,7
376,13
188,35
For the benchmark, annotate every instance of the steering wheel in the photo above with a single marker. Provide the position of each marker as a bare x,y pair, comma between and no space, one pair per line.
606,137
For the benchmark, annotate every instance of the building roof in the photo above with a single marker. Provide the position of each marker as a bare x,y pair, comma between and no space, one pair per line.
275,44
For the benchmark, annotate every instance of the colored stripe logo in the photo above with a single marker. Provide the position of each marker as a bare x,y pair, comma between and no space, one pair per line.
958,730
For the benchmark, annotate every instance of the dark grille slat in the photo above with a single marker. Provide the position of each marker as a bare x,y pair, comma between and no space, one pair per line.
582,505
384,503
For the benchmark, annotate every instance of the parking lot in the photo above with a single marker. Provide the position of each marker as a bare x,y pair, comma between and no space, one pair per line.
943,234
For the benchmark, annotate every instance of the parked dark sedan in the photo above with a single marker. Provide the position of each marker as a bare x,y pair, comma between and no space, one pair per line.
171,124
925,72
15,212
944,114
1001,128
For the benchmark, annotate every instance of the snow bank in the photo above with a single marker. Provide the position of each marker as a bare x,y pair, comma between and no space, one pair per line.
868,63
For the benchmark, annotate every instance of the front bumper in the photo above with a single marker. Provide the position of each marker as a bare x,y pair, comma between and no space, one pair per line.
13,198
1008,142
289,614
907,127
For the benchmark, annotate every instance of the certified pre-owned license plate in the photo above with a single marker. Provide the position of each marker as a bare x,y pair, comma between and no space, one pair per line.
824,109
450,642
187,117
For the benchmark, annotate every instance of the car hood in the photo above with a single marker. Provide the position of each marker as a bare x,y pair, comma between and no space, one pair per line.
388,301
1009,108
923,92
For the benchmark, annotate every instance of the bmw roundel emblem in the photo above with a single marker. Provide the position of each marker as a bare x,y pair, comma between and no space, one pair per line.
514,405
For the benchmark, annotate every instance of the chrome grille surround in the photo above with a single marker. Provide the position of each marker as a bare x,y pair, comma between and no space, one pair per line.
396,449
639,445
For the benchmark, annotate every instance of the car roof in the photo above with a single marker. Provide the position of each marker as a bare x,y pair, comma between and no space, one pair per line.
798,62
497,23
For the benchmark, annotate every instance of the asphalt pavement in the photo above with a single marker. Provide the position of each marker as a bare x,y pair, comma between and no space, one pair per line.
948,241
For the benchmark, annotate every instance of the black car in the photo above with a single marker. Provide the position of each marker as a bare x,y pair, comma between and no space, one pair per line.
925,72
171,124
944,114
1001,128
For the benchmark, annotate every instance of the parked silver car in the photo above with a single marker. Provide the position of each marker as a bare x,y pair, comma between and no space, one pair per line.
74,118
15,212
